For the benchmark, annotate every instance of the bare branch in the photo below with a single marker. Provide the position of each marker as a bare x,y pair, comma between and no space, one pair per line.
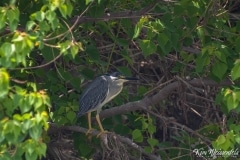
172,121
118,15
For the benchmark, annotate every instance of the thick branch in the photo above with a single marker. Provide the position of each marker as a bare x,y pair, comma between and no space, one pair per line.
124,140
161,95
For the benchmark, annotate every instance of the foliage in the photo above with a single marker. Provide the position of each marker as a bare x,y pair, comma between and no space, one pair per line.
50,47
24,105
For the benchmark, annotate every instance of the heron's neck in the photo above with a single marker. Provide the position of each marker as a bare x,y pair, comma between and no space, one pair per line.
114,90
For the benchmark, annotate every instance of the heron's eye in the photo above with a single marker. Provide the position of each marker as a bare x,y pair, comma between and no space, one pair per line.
120,77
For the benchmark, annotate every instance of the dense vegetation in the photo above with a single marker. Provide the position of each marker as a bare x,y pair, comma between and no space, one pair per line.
185,54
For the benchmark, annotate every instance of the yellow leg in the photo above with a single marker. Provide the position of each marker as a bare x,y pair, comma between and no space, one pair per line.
89,120
100,126
89,123
99,123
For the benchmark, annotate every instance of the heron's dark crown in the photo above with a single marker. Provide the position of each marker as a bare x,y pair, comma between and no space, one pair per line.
118,75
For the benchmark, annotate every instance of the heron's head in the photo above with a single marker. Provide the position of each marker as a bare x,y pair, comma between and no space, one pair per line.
119,77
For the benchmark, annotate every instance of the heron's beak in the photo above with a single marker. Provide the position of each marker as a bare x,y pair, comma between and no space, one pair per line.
130,78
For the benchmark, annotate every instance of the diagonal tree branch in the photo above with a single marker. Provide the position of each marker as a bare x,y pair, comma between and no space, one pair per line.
104,138
161,95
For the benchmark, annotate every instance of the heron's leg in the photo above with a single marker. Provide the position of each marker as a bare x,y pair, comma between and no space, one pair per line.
89,123
89,120
100,125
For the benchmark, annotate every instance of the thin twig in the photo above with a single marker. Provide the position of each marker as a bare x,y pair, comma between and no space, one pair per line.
71,28
40,66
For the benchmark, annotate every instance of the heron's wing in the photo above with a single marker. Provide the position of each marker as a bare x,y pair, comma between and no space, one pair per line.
94,94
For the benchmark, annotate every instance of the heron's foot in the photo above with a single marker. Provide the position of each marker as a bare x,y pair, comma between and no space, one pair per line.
89,131
102,133
89,134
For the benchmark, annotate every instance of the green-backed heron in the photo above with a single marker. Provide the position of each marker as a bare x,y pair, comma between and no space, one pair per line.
100,91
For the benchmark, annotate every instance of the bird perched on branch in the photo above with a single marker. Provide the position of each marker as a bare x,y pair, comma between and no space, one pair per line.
100,91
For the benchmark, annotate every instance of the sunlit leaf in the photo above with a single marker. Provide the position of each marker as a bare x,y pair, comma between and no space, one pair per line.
63,10
235,74
4,83
136,31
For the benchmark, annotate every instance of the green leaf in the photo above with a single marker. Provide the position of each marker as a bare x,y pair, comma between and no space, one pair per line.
175,40
2,17
122,42
65,46
35,132
127,23
221,56
237,138
18,38
186,57
221,139
13,18
137,30
235,74
39,15
201,61
148,149
24,106
71,116
219,69
201,34
148,47
74,50
93,53
4,83
30,25
127,56
88,73
54,23
141,90
69,8
151,129
152,142
144,124
88,1
41,149
44,26
137,135
84,149
8,49
27,125
125,70
232,102
66,9
237,43
63,10
29,156
50,15
163,39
